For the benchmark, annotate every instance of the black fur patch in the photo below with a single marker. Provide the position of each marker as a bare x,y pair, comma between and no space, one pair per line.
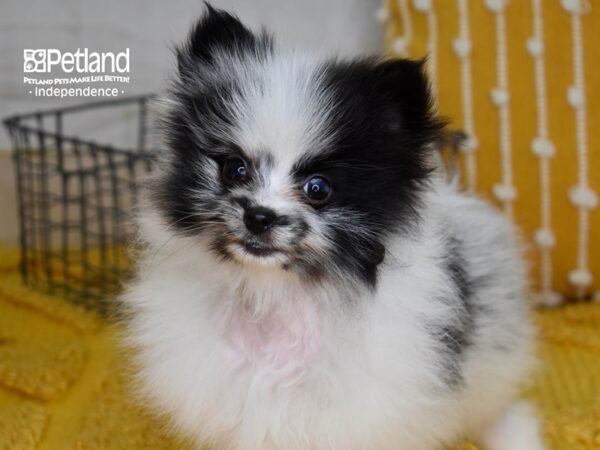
203,106
219,32
456,336
377,163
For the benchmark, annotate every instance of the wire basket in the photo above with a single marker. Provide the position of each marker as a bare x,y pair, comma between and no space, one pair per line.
75,196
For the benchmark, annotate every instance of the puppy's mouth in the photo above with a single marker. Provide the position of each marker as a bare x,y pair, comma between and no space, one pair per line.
258,249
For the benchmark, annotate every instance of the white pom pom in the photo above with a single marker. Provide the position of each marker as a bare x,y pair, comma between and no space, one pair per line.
462,47
542,147
400,45
575,97
583,197
549,299
470,144
499,96
575,6
422,5
495,5
544,238
382,14
535,46
580,278
505,192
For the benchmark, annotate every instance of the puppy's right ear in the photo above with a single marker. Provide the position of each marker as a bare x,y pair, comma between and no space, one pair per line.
218,32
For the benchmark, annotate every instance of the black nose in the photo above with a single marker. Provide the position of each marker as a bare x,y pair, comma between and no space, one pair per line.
259,219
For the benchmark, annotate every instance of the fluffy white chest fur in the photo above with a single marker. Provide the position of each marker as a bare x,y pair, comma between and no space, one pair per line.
247,360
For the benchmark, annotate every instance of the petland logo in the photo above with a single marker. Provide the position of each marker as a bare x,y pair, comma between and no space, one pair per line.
81,61
54,73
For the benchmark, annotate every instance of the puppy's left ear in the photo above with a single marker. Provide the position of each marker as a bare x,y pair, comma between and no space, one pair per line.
405,83
218,32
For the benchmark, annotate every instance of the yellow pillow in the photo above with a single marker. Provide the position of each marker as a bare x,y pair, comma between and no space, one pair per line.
522,78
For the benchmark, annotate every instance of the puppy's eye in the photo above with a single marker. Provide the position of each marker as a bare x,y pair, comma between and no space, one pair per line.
317,189
234,171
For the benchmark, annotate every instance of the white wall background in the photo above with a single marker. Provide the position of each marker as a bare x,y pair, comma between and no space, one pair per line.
150,28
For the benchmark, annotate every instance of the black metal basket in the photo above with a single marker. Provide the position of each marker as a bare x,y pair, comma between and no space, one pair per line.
75,195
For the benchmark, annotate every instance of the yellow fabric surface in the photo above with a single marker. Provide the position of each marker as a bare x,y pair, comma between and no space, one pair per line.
62,385
523,116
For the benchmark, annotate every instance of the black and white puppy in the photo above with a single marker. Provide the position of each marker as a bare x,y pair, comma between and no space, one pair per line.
309,281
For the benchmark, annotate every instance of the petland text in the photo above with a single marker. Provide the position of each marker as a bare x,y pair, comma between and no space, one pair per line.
80,61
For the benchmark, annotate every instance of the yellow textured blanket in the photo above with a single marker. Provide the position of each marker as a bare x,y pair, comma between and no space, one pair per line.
61,387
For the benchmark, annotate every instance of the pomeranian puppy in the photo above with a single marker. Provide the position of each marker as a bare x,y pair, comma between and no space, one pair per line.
309,280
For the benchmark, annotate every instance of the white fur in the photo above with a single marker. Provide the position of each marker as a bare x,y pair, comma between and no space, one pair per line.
517,429
304,370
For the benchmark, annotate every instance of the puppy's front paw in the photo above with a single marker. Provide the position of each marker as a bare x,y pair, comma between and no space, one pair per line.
516,429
